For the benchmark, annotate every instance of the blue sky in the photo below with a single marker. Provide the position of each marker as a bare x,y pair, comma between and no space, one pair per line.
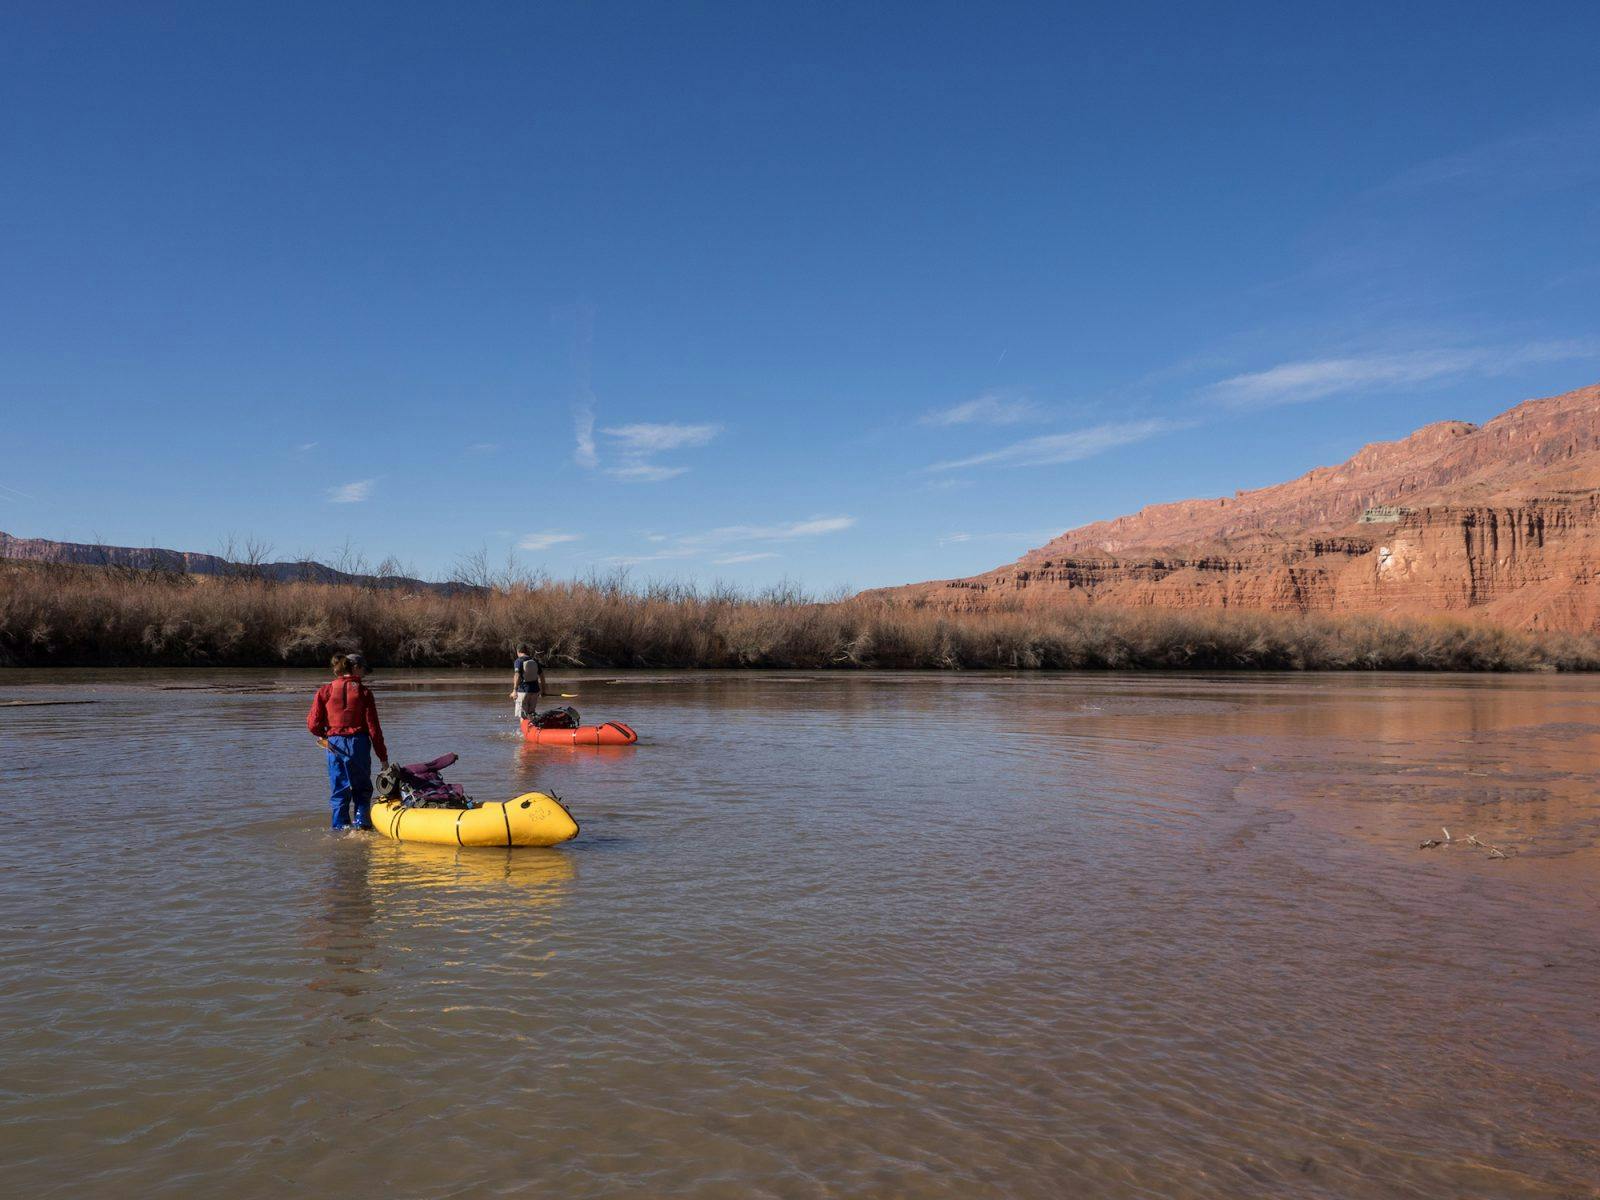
849,294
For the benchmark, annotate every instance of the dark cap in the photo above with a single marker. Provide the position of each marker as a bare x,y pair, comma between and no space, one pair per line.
356,660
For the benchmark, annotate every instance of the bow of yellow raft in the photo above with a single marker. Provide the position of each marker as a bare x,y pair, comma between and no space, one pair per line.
533,819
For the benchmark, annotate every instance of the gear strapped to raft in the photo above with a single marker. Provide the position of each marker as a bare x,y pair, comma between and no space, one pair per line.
422,785
562,717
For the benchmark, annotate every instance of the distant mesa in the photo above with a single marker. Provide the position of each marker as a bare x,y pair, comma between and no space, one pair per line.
186,562
1499,522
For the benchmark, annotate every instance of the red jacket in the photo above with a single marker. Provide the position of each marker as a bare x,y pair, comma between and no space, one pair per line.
344,707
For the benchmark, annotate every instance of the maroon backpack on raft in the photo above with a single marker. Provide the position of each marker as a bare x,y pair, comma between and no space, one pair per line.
421,785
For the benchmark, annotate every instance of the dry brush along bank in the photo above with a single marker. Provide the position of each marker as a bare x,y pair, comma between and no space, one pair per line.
53,615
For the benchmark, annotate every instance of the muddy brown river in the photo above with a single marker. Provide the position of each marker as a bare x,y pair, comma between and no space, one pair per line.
865,935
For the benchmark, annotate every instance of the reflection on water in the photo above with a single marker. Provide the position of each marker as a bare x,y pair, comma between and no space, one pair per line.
919,936
339,930
533,758
535,876
375,891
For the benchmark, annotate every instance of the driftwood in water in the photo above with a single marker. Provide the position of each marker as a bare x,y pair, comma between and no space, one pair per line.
1471,840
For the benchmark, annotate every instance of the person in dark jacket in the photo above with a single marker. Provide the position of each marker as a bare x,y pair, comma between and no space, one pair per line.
527,683
344,720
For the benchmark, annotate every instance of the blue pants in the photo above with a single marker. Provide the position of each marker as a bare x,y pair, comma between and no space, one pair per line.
350,780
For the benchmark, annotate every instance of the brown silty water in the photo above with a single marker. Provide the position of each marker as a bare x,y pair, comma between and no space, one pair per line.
848,935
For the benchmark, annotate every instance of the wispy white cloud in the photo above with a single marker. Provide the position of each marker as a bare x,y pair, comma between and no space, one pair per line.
303,447
716,541
637,445
634,447
633,560
721,536
6,490
584,453
1054,448
992,408
728,560
808,528
643,472
1028,537
1314,379
483,447
546,539
1552,156
647,439
352,493
1299,382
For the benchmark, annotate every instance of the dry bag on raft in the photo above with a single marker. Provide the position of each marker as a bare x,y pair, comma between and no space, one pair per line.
564,717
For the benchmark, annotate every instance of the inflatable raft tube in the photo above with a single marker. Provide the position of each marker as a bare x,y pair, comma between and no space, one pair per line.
612,733
534,819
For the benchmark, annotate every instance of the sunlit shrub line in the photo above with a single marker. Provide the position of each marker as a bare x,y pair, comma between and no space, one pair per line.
96,616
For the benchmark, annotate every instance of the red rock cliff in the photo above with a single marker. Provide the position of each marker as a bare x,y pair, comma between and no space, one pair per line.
1500,522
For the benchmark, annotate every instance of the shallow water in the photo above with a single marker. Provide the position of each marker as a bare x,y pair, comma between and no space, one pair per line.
850,935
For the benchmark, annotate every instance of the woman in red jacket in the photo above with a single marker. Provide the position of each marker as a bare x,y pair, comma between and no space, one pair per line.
344,720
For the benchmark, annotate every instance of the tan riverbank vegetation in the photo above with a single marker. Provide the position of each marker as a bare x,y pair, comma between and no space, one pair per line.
55,615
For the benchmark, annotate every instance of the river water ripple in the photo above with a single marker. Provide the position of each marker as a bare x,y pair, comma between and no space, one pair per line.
847,935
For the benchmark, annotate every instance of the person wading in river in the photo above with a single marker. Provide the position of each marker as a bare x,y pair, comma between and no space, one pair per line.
527,682
344,720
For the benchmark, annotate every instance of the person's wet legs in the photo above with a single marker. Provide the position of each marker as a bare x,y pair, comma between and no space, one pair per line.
339,782
350,780
361,782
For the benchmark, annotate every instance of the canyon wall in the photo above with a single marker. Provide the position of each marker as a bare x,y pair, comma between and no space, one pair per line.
1500,523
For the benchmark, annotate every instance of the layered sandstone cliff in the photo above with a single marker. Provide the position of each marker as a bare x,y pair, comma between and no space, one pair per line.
1500,522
